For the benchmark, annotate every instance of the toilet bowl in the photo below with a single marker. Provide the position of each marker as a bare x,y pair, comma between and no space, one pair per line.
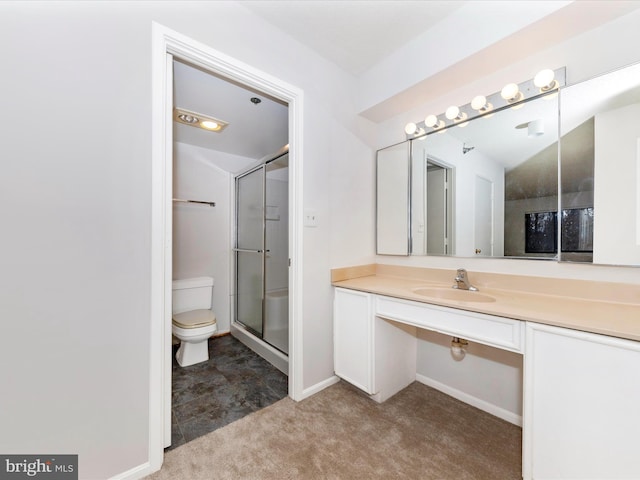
193,321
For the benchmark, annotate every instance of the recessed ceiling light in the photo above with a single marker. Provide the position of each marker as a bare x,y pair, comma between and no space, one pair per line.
209,125
199,120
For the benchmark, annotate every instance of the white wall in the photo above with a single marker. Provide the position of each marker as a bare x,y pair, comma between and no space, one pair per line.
472,28
485,377
75,205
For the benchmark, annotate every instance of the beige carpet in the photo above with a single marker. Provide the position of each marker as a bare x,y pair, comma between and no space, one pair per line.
339,433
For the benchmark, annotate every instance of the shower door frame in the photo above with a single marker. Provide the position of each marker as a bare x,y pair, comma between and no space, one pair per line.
263,251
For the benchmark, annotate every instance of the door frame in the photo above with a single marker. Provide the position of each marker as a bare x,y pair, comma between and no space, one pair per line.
168,42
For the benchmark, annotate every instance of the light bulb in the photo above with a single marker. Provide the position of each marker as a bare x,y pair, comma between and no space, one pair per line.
544,80
452,112
431,121
478,102
410,128
209,125
457,353
458,348
481,104
511,93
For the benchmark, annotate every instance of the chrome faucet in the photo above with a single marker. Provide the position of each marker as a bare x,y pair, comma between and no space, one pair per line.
462,282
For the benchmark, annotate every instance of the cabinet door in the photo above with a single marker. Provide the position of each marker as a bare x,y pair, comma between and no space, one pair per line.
581,405
353,338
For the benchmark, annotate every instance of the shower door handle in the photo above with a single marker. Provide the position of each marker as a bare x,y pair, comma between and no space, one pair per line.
250,251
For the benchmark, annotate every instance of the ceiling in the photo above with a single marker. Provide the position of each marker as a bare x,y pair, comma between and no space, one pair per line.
355,35
253,131
348,33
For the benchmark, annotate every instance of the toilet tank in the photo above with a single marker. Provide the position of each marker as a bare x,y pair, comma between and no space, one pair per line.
192,294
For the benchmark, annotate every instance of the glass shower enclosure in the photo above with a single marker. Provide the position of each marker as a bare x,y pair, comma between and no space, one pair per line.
261,252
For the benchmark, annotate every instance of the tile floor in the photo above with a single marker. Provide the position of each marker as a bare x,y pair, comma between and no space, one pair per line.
233,383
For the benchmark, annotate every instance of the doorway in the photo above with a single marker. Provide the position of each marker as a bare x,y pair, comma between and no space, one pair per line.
166,45
432,194
439,211
483,228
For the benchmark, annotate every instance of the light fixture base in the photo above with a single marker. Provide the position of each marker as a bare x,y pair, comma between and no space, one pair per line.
482,106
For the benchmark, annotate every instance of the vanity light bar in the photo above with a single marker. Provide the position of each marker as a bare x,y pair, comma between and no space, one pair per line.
511,95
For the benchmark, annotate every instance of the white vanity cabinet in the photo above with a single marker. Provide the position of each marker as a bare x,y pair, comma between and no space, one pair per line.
353,338
375,354
581,405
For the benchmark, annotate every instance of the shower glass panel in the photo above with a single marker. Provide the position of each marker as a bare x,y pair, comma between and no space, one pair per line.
250,198
262,252
276,314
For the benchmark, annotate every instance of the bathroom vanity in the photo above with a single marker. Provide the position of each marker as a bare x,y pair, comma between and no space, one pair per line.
580,341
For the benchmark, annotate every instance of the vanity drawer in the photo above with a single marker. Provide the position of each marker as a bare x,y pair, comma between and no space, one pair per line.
500,332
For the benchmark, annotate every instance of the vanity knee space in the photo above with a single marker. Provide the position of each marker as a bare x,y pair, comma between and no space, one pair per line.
375,337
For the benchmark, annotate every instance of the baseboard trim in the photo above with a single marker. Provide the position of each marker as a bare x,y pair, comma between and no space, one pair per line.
135,473
471,400
307,392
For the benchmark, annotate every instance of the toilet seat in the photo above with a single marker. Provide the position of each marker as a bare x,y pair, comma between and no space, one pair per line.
194,319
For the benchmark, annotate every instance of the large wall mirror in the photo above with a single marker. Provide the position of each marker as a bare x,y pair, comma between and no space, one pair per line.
469,184
490,188
494,183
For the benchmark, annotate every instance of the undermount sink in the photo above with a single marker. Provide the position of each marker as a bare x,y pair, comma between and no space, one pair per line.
448,293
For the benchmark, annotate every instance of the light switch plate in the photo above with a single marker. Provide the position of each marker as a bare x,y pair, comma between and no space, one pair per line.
310,218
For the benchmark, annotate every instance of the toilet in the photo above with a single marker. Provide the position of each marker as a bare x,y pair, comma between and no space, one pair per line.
193,321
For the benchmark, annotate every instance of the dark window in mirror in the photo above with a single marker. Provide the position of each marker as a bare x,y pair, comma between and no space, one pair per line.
577,230
540,232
